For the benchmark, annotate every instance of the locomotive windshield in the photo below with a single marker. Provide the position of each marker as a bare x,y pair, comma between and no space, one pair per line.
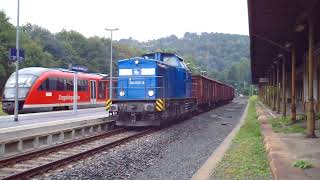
25,80
173,61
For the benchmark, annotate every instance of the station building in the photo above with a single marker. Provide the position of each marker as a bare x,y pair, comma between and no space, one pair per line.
285,56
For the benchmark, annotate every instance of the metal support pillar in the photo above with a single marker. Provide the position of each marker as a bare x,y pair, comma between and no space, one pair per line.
284,93
293,85
310,102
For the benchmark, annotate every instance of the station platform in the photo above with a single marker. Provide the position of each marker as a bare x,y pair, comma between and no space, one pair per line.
284,149
36,130
54,116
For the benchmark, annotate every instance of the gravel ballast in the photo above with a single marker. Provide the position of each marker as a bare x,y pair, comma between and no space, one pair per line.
176,152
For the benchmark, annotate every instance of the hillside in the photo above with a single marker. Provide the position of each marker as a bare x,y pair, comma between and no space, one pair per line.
221,55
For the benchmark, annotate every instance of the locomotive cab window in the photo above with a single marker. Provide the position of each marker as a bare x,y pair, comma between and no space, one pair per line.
172,61
184,65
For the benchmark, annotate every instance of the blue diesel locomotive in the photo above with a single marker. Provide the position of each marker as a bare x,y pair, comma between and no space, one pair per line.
152,90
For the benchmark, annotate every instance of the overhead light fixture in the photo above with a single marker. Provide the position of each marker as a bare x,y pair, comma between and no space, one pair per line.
280,55
299,28
288,45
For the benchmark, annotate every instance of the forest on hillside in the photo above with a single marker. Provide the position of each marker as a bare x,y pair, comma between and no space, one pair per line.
223,56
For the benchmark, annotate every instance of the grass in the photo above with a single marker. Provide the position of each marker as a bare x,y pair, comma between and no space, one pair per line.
302,164
282,125
1,112
246,158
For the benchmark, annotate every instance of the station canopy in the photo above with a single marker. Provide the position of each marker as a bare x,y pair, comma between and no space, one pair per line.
272,26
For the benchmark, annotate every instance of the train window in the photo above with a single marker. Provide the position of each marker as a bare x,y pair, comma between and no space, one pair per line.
125,72
49,84
101,90
79,85
85,85
82,85
61,84
53,84
44,86
173,61
184,65
69,83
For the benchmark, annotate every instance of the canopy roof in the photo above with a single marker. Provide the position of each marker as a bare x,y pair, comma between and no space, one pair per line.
273,24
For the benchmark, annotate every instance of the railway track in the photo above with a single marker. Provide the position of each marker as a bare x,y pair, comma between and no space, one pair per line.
33,163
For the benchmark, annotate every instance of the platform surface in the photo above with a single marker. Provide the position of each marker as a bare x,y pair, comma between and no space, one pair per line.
55,116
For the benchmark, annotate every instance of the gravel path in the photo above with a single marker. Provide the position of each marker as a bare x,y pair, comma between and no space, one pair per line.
176,152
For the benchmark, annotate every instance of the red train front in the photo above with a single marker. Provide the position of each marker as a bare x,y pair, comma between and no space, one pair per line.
42,89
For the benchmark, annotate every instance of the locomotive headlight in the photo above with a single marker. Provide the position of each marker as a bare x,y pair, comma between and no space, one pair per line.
136,61
150,93
122,93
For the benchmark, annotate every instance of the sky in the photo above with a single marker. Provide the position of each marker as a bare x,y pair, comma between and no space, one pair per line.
140,19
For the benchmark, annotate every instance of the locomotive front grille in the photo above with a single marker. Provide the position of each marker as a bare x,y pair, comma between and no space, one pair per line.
135,107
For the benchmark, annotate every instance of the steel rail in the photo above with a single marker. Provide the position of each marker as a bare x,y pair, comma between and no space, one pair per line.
28,173
30,154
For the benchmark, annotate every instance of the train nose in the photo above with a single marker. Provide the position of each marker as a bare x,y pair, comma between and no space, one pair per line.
8,106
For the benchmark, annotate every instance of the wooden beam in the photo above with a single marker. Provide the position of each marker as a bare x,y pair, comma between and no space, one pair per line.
310,102
276,44
278,88
274,90
293,84
318,86
284,95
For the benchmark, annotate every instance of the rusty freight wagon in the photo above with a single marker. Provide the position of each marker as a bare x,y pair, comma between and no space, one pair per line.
209,92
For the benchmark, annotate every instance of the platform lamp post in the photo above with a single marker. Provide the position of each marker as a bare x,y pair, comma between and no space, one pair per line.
16,98
111,30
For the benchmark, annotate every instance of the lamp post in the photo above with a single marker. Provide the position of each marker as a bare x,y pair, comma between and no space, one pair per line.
16,98
110,83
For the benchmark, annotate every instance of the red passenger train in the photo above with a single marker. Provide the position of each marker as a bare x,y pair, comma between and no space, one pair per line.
43,89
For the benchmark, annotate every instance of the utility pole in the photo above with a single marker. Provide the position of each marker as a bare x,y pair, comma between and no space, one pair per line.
16,98
110,83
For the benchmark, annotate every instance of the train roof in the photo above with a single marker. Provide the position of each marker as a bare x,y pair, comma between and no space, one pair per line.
39,70
33,70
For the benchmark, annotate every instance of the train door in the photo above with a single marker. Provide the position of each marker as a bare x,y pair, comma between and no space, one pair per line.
93,92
